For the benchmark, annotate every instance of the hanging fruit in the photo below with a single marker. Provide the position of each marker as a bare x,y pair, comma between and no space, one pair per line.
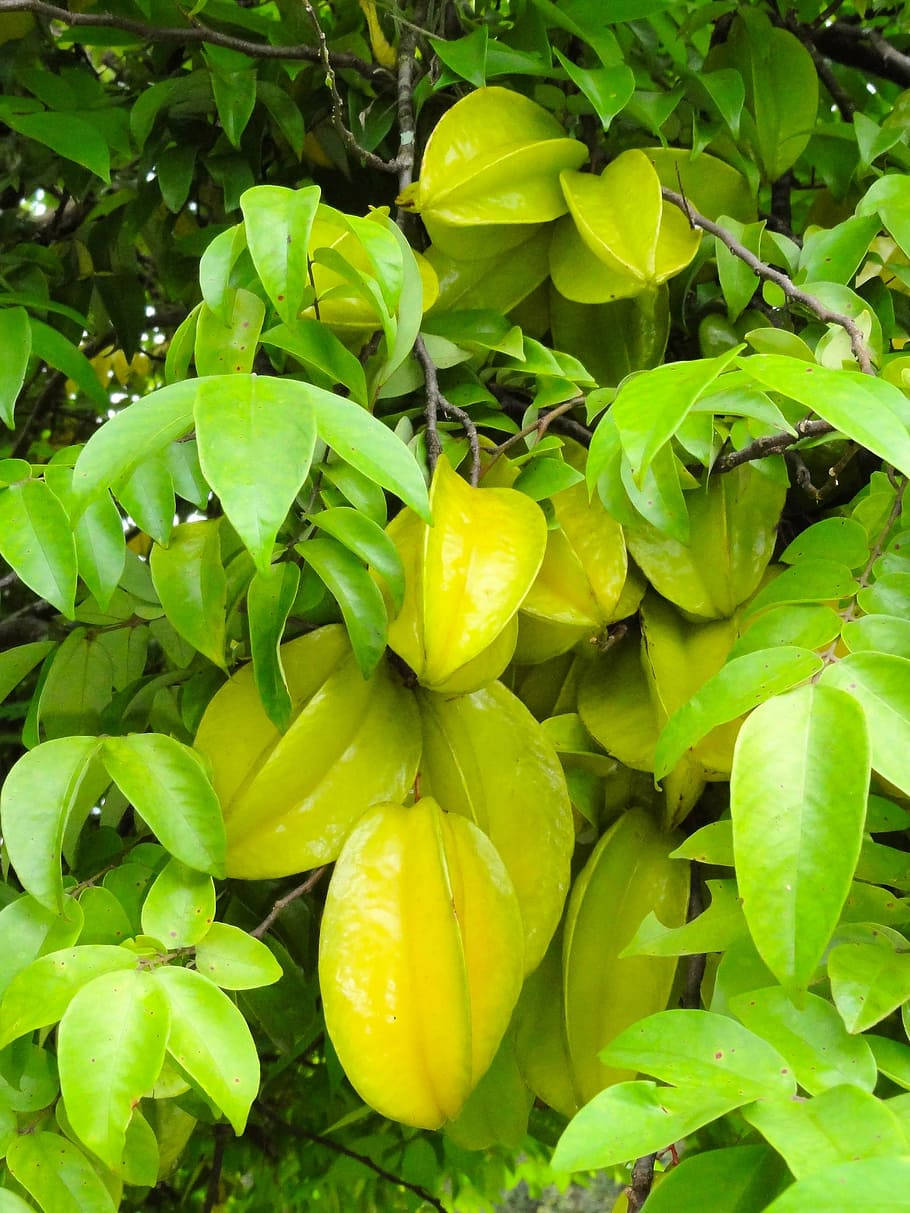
465,578
289,799
420,960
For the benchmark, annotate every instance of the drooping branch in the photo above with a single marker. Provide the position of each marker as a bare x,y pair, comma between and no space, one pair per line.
436,403
347,137
197,33
540,427
283,902
768,273
865,49
337,1148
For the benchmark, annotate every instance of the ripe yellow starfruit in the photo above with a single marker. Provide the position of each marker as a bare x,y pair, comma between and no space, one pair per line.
605,249
628,876
493,160
289,799
465,578
420,960
584,581
732,529
487,758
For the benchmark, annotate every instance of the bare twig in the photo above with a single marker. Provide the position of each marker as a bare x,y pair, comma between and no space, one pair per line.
839,94
337,1148
196,33
407,127
769,274
515,408
345,135
695,965
772,444
436,403
642,1180
283,902
540,427
857,46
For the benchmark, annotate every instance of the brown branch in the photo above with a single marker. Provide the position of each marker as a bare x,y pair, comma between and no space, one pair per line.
214,1184
337,1148
436,403
515,408
837,92
283,902
865,49
768,273
407,127
639,1189
346,136
540,427
771,444
695,964
198,34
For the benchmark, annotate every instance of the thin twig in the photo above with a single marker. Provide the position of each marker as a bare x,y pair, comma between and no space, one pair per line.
540,427
839,94
337,1148
283,902
769,274
346,136
436,403
771,444
211,1194
639,1189
695,964
196,33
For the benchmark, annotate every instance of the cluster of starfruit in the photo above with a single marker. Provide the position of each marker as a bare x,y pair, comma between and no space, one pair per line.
451,993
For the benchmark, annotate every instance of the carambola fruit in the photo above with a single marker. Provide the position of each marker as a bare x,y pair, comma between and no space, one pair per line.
289,799
487,758
420,960
465,578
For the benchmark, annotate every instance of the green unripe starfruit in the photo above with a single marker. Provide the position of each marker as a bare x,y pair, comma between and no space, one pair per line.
487,758
635,248
289,799
540,1034
732,529
420,960
628,876
494,160
465,578
497,1110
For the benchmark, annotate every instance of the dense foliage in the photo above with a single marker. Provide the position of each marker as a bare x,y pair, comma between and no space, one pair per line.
467,442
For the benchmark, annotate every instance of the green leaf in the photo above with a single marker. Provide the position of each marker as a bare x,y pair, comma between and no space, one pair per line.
316,346
28,929
370,447
805,625
53,348
467,56
16,343
278,223
115,450
16,663
862,407
835,254
839,1125
235,97
701,1049
148,497
738,282
889,196
408,305
542,478
11,1203
69,136
256,437
609,89
57,1174
798,800
168,785
880,683
37,802
735,1179
634,1118
712,931
356,593
109,1061
868,981
175,168
875,1185
808,581
368,541
235,960
36,540
215,267
227,344
38,996
270,597
737,687
179,908
890,595
812,1037
210,1040
840,539
878,634
190,581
